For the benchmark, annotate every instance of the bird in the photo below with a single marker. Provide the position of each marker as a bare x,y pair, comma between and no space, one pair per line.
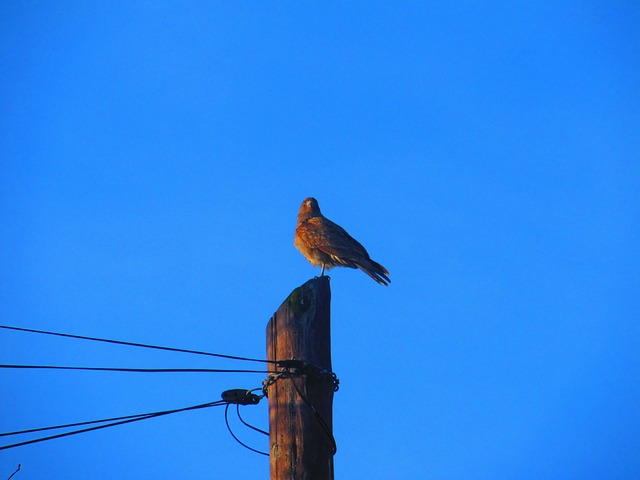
327,244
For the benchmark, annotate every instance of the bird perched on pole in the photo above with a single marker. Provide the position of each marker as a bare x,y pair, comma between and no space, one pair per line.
327,244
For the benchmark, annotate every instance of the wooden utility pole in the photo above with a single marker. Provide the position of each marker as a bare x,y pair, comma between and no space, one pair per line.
301,444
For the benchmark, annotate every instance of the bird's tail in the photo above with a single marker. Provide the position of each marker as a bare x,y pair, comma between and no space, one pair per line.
375,271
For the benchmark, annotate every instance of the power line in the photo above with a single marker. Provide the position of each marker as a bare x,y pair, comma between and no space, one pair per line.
237,396
259,430
113,424
76,424
323,424
16,471
133,344
226,420
136,370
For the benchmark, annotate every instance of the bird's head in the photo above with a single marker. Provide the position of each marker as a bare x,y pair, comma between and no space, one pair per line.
308,209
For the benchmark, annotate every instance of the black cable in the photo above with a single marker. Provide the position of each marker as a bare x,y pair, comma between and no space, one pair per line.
113,424
248,425
136,370
226,420
132,344
69,425
16,471
77,424
323,424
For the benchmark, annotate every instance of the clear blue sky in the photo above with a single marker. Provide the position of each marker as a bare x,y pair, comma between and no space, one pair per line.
153,157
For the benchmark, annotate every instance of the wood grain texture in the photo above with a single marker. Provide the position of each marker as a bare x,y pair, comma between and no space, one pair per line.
300,330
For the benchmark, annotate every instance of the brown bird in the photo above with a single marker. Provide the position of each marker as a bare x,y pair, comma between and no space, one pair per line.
325,243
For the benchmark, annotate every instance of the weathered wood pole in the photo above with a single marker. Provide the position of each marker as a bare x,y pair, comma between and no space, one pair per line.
300,447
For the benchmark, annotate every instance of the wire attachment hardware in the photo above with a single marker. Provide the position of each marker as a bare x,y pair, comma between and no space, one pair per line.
298,368
240,396
313,370
291,364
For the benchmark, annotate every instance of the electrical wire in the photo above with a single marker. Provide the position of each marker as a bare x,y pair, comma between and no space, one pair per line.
128,419
226,420
133,344
114,421
133,418
135,370
16,471
259,430
76,424
323,424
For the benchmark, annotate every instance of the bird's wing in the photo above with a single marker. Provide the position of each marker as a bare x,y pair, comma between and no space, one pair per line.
332,239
